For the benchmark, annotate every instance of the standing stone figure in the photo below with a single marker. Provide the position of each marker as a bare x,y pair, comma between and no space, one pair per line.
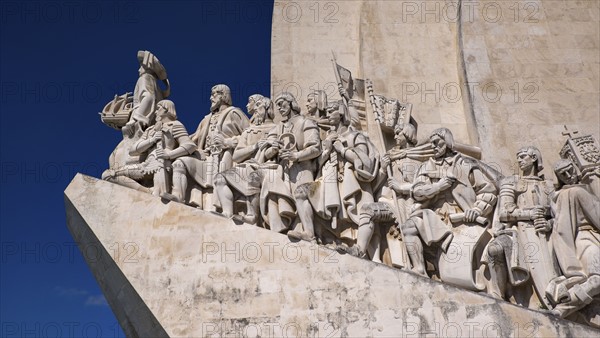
147,92
455,200
294,144
350,165
576,240
135,113
520,253
216,137
157,147
244,178
377,219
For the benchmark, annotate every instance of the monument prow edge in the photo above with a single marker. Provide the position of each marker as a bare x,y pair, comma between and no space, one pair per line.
167,269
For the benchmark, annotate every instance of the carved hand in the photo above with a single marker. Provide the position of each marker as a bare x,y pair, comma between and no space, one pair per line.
541,225
160,153
471,215
445,183
385,161
287,155
538,212
394,184
157,136
343,92
217,140
261,144
400,154
163,154
339,147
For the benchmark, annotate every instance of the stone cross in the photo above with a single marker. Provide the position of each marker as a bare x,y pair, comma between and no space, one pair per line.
569,133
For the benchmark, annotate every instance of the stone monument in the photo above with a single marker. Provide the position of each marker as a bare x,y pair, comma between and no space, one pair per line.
341,219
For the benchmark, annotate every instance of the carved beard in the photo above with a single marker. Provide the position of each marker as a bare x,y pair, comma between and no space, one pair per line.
259,117
441,152
214,106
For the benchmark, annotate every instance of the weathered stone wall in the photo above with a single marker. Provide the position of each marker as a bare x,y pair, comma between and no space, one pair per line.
545,58
169,269
500,74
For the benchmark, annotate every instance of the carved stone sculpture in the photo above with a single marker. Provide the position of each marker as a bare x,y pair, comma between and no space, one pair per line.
147,92
350,164
319,177
584,152
245,178
157,147
521,228
376,219
132,114
294,143
576,240
216,137
455,202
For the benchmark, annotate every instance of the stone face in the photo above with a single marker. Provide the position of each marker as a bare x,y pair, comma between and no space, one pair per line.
170,270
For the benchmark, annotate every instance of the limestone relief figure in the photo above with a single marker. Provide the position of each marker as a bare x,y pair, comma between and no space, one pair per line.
576,240
158,146
455,202
350,164
216,137
522,225
245,178
378,220
294,143
132,114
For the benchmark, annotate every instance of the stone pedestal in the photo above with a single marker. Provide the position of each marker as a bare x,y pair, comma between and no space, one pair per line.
170,270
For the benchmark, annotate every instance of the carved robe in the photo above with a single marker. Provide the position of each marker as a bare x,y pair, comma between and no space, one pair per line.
146,87
242,176
576,238
433,215
282,182
528,254
230,123
576,233
344,187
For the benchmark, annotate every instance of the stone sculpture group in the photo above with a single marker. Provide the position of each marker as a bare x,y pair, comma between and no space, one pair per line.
350,175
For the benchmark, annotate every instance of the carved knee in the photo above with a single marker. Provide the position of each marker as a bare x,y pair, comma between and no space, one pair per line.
255,179
367,212
301,192
594,284
495,250
178,167
220,180
409,228
377,211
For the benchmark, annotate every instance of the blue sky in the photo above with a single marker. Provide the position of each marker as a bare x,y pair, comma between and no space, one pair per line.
60,63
